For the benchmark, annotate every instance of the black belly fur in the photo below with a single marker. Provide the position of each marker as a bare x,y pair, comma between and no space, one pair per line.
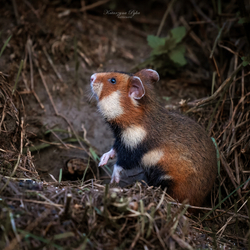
129,158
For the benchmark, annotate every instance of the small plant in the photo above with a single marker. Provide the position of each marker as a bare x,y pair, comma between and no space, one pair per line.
168,52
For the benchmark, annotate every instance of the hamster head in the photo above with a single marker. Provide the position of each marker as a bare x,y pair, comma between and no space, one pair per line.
120,95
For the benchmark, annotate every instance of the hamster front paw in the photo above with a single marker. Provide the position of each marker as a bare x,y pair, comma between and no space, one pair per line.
105,157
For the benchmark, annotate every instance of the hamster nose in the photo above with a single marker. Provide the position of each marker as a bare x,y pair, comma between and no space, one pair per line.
92,78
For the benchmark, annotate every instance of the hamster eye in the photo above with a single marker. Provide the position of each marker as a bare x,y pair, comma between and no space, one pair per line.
112,80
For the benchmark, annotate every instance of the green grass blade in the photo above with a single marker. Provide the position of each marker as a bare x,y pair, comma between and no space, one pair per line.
4,46
60,176
63,235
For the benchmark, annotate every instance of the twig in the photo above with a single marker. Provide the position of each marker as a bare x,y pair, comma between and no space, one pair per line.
29,46
46,87
38,100
229,219
53,178
135,240
201,13
52,64
85,134
164,17
17,78
11,185
181,242
191,33
3,115
32,8
35,201
85,58
16,12
53,104
65,145
48,200
27,91
67,205
158,236
88,7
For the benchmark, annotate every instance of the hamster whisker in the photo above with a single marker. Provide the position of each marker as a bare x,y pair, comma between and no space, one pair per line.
91,97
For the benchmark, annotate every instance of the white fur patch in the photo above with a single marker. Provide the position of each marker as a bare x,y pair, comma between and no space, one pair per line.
133,135
110,106
166,177
152,158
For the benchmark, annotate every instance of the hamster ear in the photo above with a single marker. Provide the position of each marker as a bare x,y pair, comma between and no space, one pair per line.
151,74
136,88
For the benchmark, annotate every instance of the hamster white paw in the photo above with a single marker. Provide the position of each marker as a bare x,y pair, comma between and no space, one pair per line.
116,174
105,157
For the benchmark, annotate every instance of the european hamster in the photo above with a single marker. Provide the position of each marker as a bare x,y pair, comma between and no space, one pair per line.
174,150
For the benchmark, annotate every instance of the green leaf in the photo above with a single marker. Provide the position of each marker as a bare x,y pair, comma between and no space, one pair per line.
246,60
178,33
164,49
244,20
155,41
177,55
245,63
158,51
167,98
169,44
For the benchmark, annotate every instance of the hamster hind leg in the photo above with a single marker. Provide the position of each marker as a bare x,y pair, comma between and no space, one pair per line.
116,175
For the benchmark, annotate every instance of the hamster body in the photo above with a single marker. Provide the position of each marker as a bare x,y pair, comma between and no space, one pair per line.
174,150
